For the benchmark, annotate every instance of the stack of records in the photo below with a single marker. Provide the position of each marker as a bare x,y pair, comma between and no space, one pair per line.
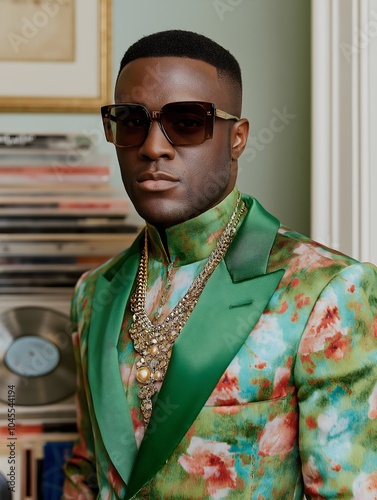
59,215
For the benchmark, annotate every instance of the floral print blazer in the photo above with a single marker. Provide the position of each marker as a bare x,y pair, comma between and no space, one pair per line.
271,391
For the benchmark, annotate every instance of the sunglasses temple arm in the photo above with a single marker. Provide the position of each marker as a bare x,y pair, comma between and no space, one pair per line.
225,116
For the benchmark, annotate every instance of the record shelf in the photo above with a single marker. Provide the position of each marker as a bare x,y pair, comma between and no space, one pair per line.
59,217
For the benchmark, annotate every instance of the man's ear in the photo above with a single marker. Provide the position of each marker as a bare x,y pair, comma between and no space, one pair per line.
240,133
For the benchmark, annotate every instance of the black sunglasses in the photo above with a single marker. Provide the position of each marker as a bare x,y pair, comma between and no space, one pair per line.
183,123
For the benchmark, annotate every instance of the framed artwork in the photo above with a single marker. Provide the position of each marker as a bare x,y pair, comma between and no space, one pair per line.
55,55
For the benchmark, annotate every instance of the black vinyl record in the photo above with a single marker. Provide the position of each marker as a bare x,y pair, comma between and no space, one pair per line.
37,365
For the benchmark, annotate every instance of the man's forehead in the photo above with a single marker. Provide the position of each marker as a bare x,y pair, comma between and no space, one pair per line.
162,67
168,74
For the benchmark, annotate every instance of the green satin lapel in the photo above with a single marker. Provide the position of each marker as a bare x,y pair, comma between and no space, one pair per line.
110,405
211,338
229,307
248,255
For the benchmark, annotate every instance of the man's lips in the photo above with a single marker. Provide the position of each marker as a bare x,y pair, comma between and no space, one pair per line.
156,181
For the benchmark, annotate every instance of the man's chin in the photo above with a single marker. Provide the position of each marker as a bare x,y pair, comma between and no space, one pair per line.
163,214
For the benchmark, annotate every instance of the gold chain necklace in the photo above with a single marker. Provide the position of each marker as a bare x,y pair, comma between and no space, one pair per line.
154,342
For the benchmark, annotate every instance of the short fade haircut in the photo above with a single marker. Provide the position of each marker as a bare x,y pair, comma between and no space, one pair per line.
181,43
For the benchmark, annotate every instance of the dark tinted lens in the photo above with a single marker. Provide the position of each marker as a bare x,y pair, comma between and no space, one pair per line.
130,125
184,123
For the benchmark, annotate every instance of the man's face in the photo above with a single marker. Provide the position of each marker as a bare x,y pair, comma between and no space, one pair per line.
169,184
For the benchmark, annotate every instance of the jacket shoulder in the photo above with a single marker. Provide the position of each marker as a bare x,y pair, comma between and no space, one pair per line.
307,263
301,252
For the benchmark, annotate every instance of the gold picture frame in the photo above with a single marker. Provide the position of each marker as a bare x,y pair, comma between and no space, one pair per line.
81,85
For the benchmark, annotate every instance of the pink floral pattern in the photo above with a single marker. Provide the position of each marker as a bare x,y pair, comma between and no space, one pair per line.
313,478
214,462
365,487
372,414
226,392
279,436
325,330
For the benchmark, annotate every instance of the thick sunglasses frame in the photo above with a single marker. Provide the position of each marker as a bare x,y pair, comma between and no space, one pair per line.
211,112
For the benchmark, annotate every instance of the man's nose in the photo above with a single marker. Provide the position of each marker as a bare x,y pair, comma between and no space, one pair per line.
156,144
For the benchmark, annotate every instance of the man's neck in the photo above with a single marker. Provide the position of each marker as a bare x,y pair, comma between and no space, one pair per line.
193,239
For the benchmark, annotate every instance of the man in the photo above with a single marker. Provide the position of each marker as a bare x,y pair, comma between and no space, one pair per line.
222,355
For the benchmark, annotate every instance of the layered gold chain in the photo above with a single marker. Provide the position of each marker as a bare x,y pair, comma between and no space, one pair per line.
154,342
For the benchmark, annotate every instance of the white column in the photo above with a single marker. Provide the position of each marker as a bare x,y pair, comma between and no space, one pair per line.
373,133
344,212
321,123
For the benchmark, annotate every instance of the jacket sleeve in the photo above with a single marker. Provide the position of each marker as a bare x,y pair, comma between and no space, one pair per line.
336,376
80,469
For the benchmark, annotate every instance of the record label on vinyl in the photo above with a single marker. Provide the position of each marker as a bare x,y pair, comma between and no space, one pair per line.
32,356
36,356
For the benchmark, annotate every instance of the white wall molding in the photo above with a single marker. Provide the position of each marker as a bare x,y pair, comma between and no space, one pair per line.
344,35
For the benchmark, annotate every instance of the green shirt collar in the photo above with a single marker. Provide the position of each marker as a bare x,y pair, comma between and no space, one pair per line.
194,239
